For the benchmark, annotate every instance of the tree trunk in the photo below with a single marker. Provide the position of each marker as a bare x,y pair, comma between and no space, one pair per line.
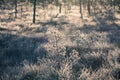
34,11
80,2
89,7
60,7
114,3
15,3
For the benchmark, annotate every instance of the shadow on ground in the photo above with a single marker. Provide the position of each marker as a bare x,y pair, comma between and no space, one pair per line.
102,25
105,24
14,49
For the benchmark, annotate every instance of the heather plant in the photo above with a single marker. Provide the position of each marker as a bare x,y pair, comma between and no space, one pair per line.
62,43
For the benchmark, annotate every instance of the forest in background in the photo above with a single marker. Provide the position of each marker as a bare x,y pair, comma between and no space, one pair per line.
89,5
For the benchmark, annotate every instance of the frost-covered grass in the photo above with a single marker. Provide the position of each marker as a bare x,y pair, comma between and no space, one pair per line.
59,48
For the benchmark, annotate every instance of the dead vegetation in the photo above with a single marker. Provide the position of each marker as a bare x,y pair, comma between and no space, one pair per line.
60,46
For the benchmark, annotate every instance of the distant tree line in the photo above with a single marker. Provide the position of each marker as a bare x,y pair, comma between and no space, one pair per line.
89,5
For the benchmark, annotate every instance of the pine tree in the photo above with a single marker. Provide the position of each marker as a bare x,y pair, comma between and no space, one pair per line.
15,3
89,7
80,2
34,11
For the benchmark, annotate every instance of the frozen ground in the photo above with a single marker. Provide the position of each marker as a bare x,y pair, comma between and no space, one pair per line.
60,46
